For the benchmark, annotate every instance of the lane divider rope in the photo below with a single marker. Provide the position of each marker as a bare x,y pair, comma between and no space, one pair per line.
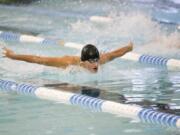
130,111
173,64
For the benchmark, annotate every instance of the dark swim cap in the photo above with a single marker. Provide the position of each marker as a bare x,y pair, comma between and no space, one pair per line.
89,52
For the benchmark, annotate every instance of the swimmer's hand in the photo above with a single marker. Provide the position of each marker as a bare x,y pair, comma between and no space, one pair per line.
7,52
130,46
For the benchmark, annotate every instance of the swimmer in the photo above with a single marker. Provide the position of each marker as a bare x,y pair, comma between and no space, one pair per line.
90,58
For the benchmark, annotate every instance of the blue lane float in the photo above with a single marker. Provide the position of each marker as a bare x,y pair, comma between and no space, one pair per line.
92,103
130,111
22,38
172,64
17,87
9,36
156,60
155,117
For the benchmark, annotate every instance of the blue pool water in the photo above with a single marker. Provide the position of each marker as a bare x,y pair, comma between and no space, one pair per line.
151,25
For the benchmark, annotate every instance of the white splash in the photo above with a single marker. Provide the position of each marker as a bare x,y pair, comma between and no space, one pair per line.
148,36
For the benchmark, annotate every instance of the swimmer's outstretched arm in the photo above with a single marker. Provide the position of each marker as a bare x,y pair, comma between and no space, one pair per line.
106,57
62,62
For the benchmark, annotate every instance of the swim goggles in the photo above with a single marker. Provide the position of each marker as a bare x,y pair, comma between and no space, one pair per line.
93,60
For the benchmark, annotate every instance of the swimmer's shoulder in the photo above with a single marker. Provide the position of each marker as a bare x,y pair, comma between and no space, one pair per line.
71,60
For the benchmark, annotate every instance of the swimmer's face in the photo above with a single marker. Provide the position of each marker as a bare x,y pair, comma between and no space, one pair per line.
91,65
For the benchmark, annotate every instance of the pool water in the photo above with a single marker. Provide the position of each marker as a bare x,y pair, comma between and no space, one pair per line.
151,25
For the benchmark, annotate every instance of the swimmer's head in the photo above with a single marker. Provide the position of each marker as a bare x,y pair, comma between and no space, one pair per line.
90,56
89,53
